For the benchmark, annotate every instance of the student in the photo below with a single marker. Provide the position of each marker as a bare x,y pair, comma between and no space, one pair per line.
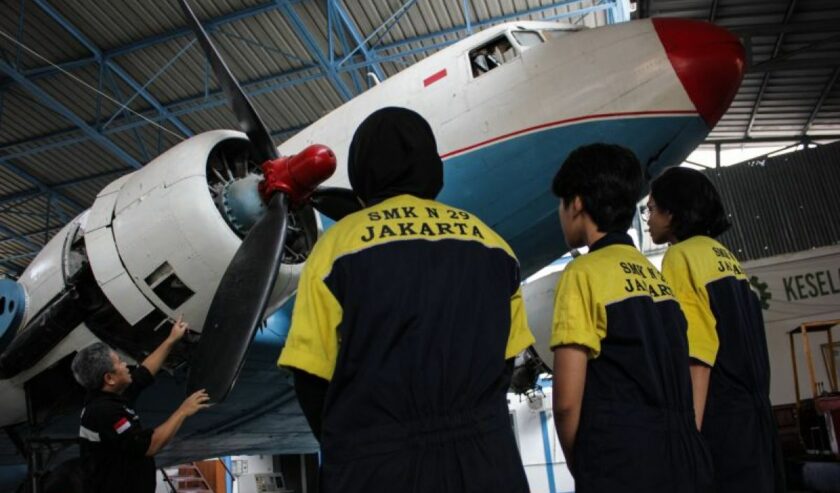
730,369
622,391
407,320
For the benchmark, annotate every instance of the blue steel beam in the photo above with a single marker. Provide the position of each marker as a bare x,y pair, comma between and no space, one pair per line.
189,105
208,24
116,69
17,237
59,108
279,81
466,9
10,268
393,20
459,29
115,88
42,187
39,232
19,47
18,257
312,46
345,45
49,70
357,37
31,193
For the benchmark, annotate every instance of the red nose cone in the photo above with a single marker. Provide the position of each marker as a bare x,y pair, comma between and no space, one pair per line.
312,166
709,61
299,175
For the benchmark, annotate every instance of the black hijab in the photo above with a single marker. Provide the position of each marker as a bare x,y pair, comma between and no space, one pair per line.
394,152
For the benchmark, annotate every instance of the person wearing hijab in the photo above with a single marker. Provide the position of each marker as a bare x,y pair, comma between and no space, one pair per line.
730,369
407,320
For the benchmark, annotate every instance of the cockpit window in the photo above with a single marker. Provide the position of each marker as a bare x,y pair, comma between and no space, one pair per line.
490,55
556,33
526,39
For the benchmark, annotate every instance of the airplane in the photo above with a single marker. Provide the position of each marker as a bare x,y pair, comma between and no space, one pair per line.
190,232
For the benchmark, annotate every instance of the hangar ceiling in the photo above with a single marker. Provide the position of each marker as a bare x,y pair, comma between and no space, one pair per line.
791,90
92,90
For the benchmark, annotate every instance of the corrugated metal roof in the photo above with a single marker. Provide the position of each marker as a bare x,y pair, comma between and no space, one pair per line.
793,52
783,204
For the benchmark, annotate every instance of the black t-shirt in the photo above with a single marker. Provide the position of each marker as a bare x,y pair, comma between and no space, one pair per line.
114,443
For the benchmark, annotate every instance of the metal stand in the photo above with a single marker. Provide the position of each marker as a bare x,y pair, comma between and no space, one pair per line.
34,457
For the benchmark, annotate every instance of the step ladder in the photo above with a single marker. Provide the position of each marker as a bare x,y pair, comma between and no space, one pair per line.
186,478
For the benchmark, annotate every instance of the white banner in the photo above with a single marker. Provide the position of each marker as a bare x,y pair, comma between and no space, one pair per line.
797,287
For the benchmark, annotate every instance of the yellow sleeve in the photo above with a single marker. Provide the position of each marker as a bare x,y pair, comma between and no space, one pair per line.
575,313
312,344
694,300
520,336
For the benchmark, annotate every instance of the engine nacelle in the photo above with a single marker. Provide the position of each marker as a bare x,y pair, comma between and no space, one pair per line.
157,241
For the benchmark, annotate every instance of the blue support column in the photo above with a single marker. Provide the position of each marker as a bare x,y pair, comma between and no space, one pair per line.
100,80
47,218
19,47
308,40
228,477
122,74
59,108
357,37
466,8
345,46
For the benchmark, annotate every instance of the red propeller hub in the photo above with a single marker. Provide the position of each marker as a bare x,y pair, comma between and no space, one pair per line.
299,175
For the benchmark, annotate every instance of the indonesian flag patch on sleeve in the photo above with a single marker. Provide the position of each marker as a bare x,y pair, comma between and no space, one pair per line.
122,425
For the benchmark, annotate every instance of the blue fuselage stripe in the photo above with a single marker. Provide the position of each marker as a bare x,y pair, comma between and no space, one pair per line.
507,184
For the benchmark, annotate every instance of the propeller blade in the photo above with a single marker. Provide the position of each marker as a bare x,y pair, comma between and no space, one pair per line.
335,202
238,307
249,121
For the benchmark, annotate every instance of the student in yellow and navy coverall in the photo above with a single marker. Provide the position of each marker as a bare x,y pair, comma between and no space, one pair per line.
622,391
729,363
407,319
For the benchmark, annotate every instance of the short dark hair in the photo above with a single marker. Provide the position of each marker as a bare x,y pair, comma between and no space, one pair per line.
90,365
607,178
692,200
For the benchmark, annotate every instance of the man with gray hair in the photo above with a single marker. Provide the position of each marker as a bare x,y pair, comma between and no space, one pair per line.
117,452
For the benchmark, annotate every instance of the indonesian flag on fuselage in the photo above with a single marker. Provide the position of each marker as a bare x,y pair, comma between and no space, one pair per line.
122,425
